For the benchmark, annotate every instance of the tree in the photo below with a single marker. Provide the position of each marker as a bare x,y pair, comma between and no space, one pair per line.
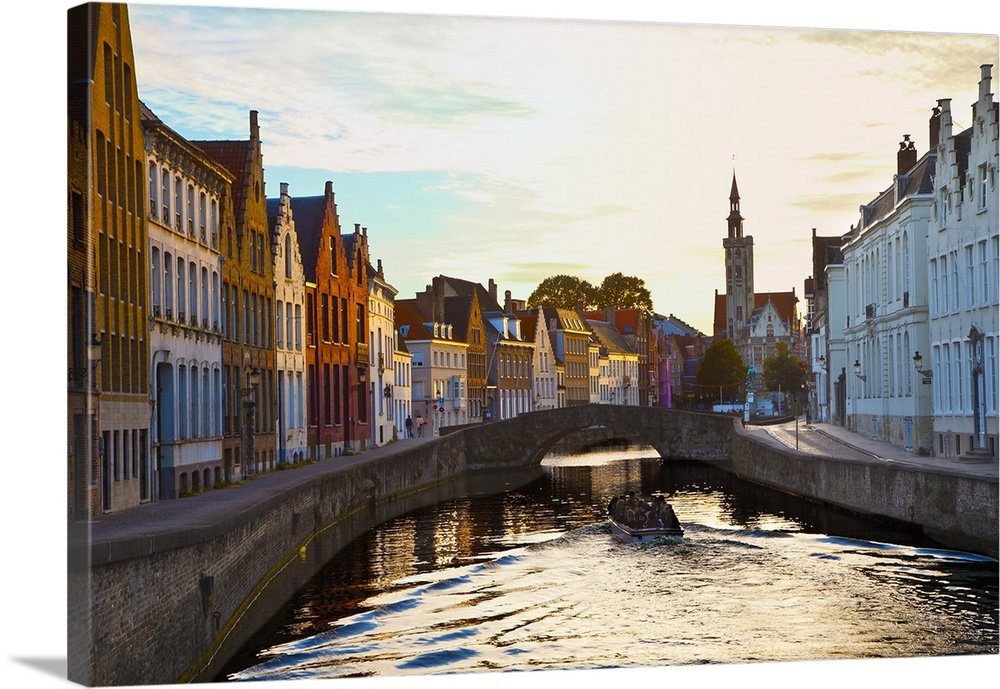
624,292
783,371
564,292
722,367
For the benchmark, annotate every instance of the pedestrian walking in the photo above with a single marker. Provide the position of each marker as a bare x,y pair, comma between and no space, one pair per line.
409,427
420,427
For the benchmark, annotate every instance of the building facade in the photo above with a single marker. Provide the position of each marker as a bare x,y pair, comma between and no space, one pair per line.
960,361
543,359
188,193
440,360
109,344
248,376
337,354
289,330
402,392
885,256
382,365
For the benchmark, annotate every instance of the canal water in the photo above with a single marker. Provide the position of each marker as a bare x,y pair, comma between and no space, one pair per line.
532,579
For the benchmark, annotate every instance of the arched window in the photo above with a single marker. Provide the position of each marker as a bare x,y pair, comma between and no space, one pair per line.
165,196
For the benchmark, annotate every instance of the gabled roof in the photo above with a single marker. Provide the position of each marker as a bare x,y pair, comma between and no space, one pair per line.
608,336
408,314
467,287
233,156
456,313
309,213
918,180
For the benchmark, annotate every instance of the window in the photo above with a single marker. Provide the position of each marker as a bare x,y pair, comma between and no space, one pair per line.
180,289
984,274
943,296
990,373
154,270
190,209
193,291
970,277
288,256
279,323
204,297
935,309
165,196
983,189
178,186
214,222
153,186
906,263
202,201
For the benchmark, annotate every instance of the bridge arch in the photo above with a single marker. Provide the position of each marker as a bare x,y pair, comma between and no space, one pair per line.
527,438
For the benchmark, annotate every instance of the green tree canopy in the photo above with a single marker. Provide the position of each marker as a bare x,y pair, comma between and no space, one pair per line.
564,292
722,366
783,370
624,292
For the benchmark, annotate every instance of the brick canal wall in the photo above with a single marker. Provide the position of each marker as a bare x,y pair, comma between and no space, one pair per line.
175,603
959,511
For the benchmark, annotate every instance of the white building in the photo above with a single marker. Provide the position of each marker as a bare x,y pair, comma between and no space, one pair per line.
187,190
618,383
402,366
960,357
543,364
289,330
885,259
382,368
439,382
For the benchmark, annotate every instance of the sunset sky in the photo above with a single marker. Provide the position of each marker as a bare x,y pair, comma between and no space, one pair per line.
518,148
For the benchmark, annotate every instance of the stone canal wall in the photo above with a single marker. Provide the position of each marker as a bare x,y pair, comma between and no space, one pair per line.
957,510
169,592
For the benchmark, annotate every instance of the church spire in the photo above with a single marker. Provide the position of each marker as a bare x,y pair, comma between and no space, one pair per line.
735,219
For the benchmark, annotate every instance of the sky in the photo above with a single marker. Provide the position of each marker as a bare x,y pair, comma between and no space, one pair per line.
516,148
646,151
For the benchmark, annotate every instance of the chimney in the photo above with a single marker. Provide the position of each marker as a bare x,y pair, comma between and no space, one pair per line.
493,290
906,158
284,188
934,128
984,83
437,289
328,190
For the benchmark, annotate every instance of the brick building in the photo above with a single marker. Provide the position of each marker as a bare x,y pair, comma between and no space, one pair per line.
337,353
108,346
248,355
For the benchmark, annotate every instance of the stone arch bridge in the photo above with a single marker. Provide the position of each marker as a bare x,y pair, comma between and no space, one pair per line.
527,438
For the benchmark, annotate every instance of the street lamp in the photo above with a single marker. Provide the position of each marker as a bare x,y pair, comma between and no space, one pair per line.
857,371
249,406
918,363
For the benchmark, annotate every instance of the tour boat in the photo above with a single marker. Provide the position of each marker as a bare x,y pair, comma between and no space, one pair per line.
656,510
627,534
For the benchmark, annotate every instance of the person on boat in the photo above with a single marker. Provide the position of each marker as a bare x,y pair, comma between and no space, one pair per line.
668,517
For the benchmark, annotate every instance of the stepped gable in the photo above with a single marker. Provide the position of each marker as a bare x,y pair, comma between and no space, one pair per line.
308,213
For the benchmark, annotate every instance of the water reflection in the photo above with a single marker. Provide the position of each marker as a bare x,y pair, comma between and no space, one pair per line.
529,578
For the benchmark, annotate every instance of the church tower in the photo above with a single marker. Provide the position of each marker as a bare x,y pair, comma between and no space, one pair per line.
739,271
